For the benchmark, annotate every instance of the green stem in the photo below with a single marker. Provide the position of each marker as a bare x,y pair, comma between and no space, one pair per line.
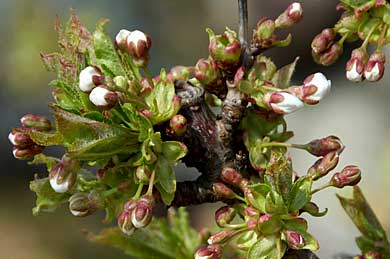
382,39
236,226
321,188
109,192
116,113
151,183
281,144
238,197
345,36
139,191
270,88
367,39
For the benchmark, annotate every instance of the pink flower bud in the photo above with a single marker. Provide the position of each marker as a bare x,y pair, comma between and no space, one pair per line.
27,153
355,65
224,215
321,147
89,78
292,15
125,223
264,218
221,237
282,102
208,252
251,212
324,165
84,204
231,176
314,89
263,34
330,56
223,192
294,240
36,122
20,140
321,42
178,125
103,98
181,73
121,39
139,44
375,67
349,176
207,72
63,175
142,215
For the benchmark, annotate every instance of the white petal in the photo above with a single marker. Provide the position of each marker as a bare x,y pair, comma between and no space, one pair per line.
85,79
290,103
97,96
374,74
201,257
121,37
78,213
60,188
136,36
11,137
296,7
136,223
353,75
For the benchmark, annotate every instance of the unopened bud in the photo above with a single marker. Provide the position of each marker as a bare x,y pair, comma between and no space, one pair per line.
143,173
142,213
208,252
282,102
27,153
207,72
321,147
89,78
63,175
121,82
178,125
231,176
349,176
375,67
221,237
181,73
138,44
121,39
294,240
20,140
251,212
264,218
223,192
292,15
355,65
224,215
321,42
84,204
263,33
372,255
314,89
225,49
331,55
36,122
103,98
324,165
124,222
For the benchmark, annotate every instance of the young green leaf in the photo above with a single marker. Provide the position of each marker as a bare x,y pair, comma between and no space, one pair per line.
266,248
300,193
173,150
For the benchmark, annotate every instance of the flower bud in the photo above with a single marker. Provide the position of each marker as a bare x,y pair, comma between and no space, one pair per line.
251,212
208,252
294,240
27,153
225,50
314,89
207,72
330,56
121,82
181,73
20,140
124,222
138,45
121,39
231,176
324,165
224,215
143,173
103,98
292,15
375,67
63,175
223,192
178,125
349,176
36,122
221,237
321,42
263,33
372,255
321,147
355,65
89,78
282,102
264,218
142,213
84,204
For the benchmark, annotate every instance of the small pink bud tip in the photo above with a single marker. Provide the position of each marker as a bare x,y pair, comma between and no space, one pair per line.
206,71
292,15
27,153
181,73
295,240
321,147
282,102
264,218
221,237
208,252
349,176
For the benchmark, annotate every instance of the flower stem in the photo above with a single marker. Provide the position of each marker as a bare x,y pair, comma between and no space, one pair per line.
151,183
367,39
139,191
321,188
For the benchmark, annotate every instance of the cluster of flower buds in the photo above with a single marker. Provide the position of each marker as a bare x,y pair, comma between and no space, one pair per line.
324,50
136,214
84,204
360,66
24,146
136,43
208,252
349,176
63,175
91,81
263,34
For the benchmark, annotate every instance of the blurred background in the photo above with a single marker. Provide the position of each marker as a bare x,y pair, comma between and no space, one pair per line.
358,114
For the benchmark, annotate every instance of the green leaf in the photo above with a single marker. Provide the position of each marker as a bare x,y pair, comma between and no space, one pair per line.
165,176
274,203
266,248
300,194
47,199
295,225
173,150
91,140
104,51
137,121
363,216
260,192
271,226
167,197
282,77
